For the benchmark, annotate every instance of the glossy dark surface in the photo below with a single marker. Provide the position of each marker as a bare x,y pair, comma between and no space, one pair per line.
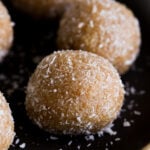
34,40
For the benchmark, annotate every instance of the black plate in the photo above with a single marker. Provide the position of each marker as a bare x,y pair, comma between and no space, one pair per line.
34,40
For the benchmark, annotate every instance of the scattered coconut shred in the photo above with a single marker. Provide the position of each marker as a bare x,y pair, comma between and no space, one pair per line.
18,143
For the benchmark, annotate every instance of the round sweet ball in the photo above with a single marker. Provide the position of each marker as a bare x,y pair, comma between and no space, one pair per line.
42,8
104,27
74,92
6,31
6,124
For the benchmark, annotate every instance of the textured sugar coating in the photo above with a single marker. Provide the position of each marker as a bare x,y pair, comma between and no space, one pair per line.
6,124
43,8
104,27
74,92
6,31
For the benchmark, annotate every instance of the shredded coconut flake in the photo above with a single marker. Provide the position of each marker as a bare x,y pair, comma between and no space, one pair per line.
117,139
53,138
80,25
126,123
89,145
137,113
89,138
69,143
79,147
107,129
22,146
17,141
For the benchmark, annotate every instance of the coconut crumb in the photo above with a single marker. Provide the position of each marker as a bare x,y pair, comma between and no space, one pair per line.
69,143
117,139
108,129
17,141
55,90
80,25
22,146
79,147
91,23
94,10
126,123
53,138
137,112
89,145
111,142
89,138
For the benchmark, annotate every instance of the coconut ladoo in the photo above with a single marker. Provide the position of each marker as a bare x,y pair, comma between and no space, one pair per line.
6,124
74,92
6,31
104,27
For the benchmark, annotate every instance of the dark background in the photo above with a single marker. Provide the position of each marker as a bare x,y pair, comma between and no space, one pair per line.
35,39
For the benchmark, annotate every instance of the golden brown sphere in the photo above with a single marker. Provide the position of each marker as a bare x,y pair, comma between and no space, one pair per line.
42,8
104,27
74,92
6,31
6,124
